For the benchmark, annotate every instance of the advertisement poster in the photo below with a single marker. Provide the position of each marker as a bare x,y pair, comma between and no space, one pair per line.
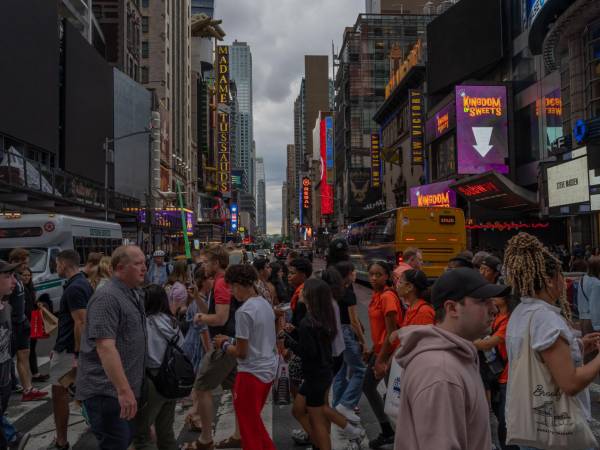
443,121
364,199
433,195
329,148
375,161
417,130
481,129
325,185
568,183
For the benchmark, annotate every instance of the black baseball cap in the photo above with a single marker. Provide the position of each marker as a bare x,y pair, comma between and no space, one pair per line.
462,282
492,262
464,258
6,267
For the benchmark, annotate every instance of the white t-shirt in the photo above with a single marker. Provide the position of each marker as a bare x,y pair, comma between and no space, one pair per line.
255,322
547,325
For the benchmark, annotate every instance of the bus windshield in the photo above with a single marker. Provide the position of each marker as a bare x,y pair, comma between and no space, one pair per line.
37,258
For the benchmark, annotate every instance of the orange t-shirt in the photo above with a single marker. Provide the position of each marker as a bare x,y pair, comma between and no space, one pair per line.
296,297
499,329
382,304
421,313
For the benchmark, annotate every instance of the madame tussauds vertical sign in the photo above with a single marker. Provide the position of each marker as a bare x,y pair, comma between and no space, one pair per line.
223,123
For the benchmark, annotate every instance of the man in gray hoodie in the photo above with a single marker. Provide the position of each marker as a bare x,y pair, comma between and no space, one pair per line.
442,401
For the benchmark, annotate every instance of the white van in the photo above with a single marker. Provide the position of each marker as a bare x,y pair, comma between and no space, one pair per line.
45,235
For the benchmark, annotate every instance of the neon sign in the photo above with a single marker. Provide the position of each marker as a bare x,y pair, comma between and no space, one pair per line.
306,184
223,80
437,195
442,123
474,190
508,226
482,106
375,161
234,217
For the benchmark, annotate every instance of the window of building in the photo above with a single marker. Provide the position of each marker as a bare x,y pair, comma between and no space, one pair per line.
145,24
145,49
145,74
443,155
145,3
592,74
527,134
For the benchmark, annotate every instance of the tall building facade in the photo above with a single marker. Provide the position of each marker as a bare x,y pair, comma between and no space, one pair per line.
314,96
261,197
203,7
292,203
166,70
361,78
396,6
240,61
121,22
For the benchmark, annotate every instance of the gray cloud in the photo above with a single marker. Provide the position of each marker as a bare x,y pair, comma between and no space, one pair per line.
280,33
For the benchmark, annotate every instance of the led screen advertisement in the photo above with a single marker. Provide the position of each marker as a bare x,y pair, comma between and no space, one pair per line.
325,186
329,148
568,183
433,195
481,129
443,121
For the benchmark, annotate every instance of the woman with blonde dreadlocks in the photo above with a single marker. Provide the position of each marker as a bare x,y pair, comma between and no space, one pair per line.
544,319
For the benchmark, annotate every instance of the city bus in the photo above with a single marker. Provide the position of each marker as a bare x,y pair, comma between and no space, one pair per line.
45,235
439,233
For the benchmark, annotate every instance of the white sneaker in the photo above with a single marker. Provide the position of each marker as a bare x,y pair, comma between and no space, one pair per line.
347,413
354,433
300,437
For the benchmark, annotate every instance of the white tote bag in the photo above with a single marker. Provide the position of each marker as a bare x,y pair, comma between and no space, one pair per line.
539,414
392,396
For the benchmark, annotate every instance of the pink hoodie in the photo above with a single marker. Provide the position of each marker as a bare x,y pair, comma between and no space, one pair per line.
442,402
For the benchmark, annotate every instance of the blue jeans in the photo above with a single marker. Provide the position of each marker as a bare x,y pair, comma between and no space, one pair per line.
112,432
348,383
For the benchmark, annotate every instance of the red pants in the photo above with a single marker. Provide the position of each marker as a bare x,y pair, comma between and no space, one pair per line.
249,397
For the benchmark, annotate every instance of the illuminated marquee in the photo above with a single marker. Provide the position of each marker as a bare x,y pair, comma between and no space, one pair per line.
223,80
416,127
223,165
306,184
474,190
440,200
329,148
482,106
508,226
375,160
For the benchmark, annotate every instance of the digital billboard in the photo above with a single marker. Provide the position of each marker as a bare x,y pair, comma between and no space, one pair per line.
481,129
443,121
433,195
325,186
568,183
329,148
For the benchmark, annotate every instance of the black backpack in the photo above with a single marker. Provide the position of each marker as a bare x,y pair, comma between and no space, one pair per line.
176,376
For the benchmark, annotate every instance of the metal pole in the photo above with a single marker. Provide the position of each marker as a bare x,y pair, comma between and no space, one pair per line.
106,141
188,253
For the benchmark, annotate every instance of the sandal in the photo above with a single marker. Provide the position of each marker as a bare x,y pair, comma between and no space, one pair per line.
194,423
230,442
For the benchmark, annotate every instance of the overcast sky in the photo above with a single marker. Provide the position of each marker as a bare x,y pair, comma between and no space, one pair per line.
280,33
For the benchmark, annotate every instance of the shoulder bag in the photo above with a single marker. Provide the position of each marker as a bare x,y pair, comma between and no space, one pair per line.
539,414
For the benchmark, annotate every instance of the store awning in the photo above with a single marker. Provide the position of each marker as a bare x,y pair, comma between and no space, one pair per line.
492,190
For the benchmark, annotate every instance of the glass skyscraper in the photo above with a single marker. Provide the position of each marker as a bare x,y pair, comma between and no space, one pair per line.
203,6
240,63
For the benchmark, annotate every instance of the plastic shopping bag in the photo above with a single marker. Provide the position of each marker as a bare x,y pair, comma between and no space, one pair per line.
392,396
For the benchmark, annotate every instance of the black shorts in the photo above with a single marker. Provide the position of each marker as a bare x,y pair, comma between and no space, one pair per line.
315,391
21,335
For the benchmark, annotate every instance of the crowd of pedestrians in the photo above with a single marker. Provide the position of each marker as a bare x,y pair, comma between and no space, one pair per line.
138,338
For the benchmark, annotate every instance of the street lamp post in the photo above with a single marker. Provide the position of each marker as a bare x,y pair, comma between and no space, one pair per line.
107,160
